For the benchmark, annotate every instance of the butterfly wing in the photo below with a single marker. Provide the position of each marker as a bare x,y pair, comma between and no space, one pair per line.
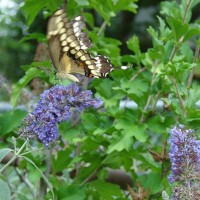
67,46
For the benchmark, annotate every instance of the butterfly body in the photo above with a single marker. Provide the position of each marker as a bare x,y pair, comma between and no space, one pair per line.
68,45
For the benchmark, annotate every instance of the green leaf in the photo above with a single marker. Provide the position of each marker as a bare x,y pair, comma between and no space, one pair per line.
69,192
193,115
90,121
133,44
194,3
171,9
128,58
109,8
112,49
105,9
106,190
116,159
187,52
135,88
147,159
121,142
91,144
193,96
4,191
157,124
71,135
72,9
89,19
131,129
31,8
191,32
152,182
9,121
40,37
82,2
123,139
53,5
61,160
119,5
104,87
3,153
30,74
178,28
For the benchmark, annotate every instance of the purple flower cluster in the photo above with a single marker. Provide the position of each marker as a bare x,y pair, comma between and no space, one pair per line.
184,153
54,107
185,162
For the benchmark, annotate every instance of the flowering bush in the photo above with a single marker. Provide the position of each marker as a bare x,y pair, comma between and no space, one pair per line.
121,150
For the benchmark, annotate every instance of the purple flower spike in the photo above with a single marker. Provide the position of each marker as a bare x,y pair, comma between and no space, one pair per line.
54,107
184,154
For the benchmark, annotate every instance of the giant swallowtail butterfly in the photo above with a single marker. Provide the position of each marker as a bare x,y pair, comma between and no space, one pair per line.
67,46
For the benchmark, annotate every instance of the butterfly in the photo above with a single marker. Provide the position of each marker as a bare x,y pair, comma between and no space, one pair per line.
68,49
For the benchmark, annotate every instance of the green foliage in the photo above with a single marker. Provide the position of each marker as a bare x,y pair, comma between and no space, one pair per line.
106,190
4,191
31,72
158,82
108,9
13,54
10,121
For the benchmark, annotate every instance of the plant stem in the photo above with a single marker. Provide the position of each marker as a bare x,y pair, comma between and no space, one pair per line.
91,176
156,100
179,97
196,55
186,10
145,108
142,118
103,26
173,52
14,157
137,73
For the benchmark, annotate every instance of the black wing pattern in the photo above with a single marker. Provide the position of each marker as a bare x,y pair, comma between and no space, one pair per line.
67,46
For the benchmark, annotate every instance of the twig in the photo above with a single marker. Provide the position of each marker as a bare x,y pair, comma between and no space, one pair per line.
90,176
14,157
186,10
138,72
150,96
145,108
179,96
154,106
103,26
173,52
196,55
163,156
